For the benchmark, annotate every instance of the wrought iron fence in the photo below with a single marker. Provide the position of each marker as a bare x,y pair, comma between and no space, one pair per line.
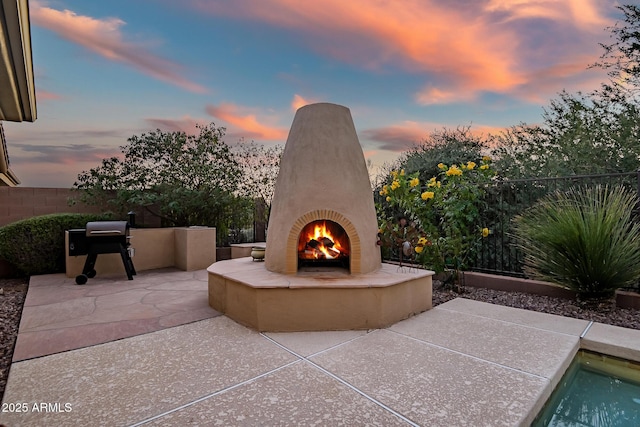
498,252
252,230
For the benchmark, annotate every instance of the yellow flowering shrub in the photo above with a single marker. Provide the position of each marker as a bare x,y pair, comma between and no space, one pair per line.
444,214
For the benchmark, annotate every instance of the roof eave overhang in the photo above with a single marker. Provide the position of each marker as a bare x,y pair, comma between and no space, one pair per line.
17,97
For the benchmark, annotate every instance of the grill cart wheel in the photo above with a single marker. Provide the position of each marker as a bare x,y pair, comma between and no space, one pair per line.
91,274
81,279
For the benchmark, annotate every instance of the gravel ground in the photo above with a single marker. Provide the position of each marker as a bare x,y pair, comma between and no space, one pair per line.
14,291
12,295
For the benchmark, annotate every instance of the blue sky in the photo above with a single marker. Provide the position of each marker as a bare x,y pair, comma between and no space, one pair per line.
107,70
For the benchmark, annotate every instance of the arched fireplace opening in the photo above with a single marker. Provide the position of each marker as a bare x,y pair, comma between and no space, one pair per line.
323,243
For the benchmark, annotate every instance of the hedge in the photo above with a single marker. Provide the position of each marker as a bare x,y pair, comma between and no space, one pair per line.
36,245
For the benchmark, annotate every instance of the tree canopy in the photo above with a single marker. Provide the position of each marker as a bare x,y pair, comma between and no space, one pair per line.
621,58
449,146
184,179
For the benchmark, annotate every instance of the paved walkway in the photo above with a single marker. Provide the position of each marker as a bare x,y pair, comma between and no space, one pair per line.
59,315
461,363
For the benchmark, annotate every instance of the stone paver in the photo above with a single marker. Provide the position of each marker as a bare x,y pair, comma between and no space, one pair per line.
462,363
59,315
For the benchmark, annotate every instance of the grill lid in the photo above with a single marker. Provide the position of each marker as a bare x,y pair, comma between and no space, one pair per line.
107,228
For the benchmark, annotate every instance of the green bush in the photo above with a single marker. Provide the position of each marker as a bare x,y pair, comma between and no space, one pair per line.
36,245
585,240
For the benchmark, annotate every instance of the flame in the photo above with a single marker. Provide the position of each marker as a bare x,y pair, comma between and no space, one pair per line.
319,242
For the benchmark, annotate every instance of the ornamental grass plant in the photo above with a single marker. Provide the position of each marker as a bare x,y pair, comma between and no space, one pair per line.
584,239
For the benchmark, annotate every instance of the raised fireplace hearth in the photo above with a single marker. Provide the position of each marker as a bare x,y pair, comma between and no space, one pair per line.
322,268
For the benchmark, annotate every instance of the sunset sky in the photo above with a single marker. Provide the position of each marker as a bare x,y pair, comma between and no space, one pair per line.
107,70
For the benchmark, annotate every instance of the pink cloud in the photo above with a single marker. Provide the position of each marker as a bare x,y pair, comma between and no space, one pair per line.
586,14
564,75
247,123
461,51
70,154
370,153
104,37
185,124
299,101
402,136
43,95
397,137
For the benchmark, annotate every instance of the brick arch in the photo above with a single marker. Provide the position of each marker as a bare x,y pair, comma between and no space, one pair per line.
322,214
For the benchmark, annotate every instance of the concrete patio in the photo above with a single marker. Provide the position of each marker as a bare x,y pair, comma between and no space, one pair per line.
142,358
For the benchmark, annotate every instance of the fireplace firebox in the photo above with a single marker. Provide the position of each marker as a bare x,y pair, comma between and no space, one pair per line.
323,243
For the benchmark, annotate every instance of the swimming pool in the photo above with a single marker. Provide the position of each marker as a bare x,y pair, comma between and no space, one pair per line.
597,390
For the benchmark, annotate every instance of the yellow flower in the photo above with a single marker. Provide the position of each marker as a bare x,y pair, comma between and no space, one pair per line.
442,166
388,199
454,171
438,184
463,166
471,165
486,158
484,167
380,231
384,191
414,182
422,241
394,174
402,172
485,232
427,195
418,249
395,184
432,182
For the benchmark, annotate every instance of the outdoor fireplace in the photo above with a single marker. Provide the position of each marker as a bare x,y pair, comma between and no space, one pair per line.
322,267
308,193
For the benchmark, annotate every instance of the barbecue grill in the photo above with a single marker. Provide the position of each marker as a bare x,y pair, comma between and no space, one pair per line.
101,237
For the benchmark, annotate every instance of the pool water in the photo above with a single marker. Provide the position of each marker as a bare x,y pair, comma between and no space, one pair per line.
596,391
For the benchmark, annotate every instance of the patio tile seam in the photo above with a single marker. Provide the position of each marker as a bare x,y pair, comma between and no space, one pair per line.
472,356
214,394
343,381
333,347
519,324
53,326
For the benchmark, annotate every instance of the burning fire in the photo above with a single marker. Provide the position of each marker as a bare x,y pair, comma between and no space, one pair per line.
317,241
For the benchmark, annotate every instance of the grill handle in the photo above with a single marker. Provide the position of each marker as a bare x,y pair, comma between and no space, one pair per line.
118,232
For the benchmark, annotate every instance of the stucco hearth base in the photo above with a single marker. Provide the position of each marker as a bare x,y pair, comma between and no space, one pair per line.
248,293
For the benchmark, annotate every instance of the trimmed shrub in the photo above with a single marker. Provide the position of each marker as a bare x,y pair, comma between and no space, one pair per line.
585,240
36,245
